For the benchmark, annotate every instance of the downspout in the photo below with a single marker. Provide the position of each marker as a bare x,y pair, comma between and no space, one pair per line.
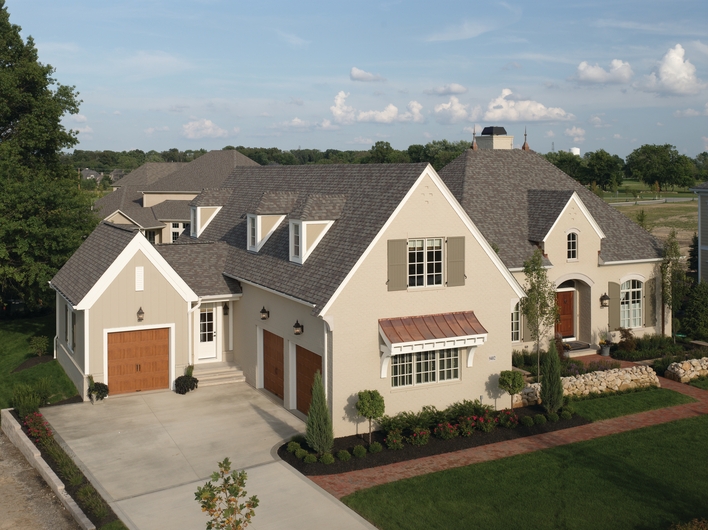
189,330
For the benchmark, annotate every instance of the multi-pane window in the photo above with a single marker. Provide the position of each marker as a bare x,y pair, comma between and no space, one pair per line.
572,245
176,231
206,324
425,265
425,367
296,240
150,235
631,304
516,324
252,240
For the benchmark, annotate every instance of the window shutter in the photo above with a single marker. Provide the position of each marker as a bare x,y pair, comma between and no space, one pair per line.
525,330
455,261
613,291
650,303
139,278
397,265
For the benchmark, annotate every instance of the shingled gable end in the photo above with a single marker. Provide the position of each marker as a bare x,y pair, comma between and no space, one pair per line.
387,277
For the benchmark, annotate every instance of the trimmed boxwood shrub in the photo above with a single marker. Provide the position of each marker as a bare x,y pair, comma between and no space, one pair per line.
375,447
539,419
527,421
553,417
566,414
359,451
300,453
310,458
184,384
293,446
344,455
327,459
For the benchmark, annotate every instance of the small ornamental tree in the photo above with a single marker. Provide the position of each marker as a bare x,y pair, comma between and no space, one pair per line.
511,382
318,431
220,498
371,406
551,385
675,285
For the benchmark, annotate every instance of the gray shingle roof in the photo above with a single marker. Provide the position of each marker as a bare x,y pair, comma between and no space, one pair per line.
201,266
86,266
319,207
276,202
128,200
547,206
499,189
171,211
217,197
700,187
149,173
207,171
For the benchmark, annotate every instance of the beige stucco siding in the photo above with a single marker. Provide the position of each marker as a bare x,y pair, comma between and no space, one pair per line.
71,360
356,361
313,232
151,199
118,306
119,219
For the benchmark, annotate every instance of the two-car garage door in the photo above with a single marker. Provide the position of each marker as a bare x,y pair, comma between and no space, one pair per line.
138,360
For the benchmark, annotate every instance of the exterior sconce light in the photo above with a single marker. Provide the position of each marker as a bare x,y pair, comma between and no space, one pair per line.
141,314
298,328
265,314
226,309
604,300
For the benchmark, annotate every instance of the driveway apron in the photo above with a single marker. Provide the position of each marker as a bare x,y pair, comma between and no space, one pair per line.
148,453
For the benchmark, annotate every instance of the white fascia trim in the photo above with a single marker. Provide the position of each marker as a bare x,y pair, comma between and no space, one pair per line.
221,297
466,341
201,228
253,284
260,238
124,215
585,211
631,261
171,327
633,276
429,171
138,243
573,276
305,224
87,358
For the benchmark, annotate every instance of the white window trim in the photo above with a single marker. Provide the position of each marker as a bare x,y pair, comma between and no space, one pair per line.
260,238
296,259
193,222
414,372
577,244
306,250
641,302
516,311
443,249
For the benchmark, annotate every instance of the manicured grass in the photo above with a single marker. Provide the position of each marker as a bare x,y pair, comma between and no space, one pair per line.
648,478
623,404
678,215
700,383
14,350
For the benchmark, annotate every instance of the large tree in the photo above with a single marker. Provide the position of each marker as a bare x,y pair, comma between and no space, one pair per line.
44,217
602,168
569,163
661,164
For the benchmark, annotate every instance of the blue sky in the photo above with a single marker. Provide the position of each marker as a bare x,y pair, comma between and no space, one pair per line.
156,74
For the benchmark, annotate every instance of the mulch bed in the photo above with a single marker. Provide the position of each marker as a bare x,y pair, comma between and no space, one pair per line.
34,361
435,446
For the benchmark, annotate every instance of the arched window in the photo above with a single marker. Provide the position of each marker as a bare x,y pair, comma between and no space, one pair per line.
572,246
631,304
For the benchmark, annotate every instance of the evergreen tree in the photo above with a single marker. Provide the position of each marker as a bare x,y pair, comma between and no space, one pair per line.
318,431
551,385
695,315
44,217
693,253
675,283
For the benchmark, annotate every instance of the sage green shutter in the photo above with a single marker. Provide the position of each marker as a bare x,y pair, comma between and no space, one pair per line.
613,291
525,330
650,303
397,265
455,261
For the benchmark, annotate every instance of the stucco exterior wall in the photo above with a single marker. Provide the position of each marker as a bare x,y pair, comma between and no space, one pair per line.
71,361
354,315
151,199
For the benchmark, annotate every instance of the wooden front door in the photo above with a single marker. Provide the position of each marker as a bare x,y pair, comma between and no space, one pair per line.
138,360
565,325
273,369
308,363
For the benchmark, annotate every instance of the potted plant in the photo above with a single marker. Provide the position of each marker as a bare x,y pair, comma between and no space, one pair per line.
97,392
605,343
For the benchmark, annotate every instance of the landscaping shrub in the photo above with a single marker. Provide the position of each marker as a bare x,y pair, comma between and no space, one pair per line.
487,421
527,421
511,382
223,498
553,417
318,432
344,455
467,425
327,459
695,314
38,428
293,446
96,391
627,341
39,345
92,501
517,359
446,431
189,370
551,386
310,458
371,406
300,453
394,439
648,347
43,388
526,361
375,447
25,400
508,419
359,451
695,524
566,415
185,383
539,419
660,365
466,408
419,436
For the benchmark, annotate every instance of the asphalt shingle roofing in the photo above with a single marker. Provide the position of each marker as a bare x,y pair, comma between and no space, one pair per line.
171,210
511,195
128,200
149,173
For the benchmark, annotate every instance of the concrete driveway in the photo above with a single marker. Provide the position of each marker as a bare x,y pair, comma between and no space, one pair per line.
147,453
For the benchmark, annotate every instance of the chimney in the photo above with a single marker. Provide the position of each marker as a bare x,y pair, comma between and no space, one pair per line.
495,138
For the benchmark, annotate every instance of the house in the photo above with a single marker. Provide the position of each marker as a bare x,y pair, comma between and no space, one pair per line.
702,191
390,277
91,174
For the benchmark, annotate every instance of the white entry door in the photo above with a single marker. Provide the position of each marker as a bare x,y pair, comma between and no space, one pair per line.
207,348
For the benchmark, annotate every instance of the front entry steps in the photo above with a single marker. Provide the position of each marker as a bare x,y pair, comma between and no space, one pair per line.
211,374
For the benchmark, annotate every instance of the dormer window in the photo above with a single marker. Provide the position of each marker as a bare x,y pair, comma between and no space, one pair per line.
304,237
200,217
259,229
296,240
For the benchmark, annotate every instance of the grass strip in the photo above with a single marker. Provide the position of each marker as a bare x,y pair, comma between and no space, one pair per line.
636,479
623,404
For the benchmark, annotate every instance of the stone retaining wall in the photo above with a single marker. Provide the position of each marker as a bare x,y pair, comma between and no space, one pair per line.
581,385
685,371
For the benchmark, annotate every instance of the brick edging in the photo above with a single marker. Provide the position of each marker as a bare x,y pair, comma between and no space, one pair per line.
19,439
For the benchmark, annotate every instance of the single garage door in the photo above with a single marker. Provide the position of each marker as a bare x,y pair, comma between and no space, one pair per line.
308,363
273,370
138,360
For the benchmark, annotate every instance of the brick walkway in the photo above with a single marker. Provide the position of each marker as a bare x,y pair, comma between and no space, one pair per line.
346,483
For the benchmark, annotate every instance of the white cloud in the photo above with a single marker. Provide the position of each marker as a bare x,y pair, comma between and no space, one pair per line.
203,128
703,48
506,108
454,111
576,133
597,122
78,118
447,90
295,123
237,130
617,136
151,130
413,113
340,111
84,130
675,75
362,140
388,115
178,108
361,75
549,134
686,113
326,125
619,72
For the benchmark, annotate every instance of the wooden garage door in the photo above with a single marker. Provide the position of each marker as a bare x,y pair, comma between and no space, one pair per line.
138,360
308,363
273,371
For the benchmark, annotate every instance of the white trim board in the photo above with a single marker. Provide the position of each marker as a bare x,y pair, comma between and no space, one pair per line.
586,213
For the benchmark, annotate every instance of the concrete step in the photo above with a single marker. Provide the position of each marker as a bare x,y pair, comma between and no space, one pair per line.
218,374
581,353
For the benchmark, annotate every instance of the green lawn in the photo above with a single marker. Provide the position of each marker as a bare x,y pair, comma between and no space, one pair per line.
648,478
700,383
623,404
14,350
678,215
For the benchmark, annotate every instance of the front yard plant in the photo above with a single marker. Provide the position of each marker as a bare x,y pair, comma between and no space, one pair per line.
371,406
319,433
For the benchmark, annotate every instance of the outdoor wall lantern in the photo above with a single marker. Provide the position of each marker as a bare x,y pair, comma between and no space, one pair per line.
226,309
141,314
604,300
298,328
265,314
